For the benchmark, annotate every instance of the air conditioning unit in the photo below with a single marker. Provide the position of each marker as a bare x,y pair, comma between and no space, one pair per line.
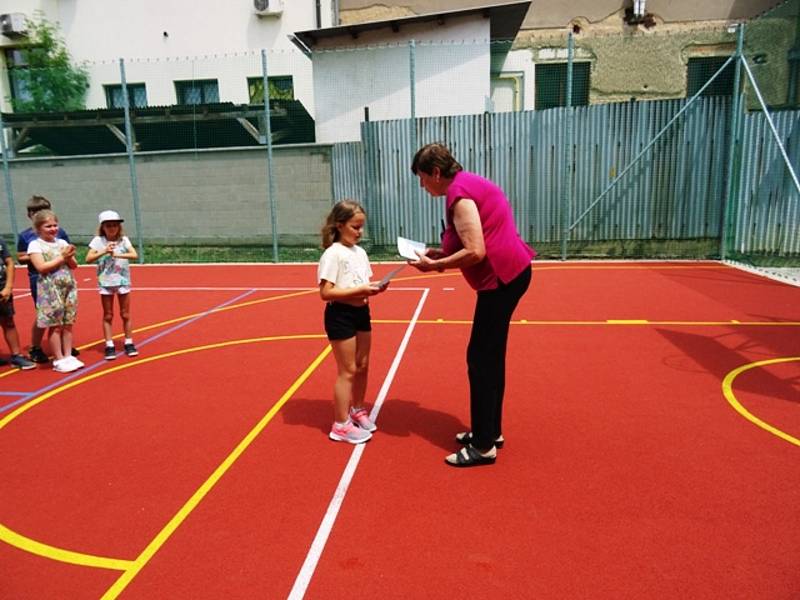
13,25
268,8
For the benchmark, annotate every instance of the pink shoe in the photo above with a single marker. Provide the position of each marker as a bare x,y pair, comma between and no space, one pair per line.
349,433
361,418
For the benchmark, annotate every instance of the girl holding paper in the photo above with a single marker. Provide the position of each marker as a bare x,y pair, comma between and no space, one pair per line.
343,276
481,239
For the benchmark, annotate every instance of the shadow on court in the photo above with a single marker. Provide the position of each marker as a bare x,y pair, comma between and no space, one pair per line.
400,418
719,354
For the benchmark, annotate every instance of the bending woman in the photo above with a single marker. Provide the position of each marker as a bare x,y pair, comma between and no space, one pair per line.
481,239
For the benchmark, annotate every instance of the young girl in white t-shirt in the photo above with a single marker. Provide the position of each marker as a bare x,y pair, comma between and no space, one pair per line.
112,251
343,276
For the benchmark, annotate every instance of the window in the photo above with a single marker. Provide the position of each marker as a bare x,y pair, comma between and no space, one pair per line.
137,96
281,87
200,91
15,59
700,70
551,84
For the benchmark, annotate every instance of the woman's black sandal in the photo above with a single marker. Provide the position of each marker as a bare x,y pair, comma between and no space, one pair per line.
465,437
469,456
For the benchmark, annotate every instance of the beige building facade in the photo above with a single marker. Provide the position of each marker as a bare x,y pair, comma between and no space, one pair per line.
622,57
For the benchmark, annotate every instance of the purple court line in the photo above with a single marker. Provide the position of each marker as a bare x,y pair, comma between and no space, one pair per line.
27,396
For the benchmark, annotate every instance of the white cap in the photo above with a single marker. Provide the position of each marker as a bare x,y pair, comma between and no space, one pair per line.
109,215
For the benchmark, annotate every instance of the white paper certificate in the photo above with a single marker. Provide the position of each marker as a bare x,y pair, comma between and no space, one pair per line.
406,248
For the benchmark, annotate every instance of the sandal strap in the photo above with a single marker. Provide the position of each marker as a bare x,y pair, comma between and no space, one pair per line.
469,455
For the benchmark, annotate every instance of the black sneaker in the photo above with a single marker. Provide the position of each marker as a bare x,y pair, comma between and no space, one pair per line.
38,356
131,350
110,353
22,363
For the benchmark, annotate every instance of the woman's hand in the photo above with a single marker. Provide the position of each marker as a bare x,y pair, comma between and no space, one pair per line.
427,260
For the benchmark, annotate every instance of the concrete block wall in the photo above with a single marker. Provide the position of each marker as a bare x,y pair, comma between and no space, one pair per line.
206,196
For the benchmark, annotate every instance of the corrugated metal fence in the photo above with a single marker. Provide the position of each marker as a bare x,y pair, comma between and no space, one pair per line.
768,207
675,192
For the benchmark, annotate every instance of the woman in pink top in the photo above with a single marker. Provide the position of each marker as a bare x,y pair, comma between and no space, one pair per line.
481,239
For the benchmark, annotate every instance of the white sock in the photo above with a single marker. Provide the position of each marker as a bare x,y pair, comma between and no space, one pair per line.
128,340
109,343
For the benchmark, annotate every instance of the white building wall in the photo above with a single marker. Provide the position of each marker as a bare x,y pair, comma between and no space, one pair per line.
167,40
452,66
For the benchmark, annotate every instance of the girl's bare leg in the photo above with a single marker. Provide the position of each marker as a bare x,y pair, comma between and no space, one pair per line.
125,314
344,351
108,316
363,344
54,337
66,340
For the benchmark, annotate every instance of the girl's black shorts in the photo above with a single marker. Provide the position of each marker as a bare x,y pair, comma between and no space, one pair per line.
342,321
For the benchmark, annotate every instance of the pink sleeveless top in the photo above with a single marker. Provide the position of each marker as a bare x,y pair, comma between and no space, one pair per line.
506,254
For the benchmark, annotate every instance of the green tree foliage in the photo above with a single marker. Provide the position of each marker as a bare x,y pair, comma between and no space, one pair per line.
47,80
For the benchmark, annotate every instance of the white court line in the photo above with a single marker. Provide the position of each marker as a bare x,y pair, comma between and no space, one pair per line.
317,546
395,288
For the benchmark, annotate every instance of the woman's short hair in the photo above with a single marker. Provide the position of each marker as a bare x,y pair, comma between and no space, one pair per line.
435,155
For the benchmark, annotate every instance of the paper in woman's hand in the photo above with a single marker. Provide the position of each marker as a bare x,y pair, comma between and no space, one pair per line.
407,247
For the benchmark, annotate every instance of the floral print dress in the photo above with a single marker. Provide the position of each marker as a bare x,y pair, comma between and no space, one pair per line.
57,291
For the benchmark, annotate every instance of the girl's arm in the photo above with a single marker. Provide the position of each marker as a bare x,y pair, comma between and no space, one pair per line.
67,257
8,290
43,266
130,254
329,292
68,252
92,255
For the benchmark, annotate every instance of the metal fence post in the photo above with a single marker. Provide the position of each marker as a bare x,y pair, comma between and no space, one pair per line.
137,213
566,191
270,172
7,178
734,159
412,80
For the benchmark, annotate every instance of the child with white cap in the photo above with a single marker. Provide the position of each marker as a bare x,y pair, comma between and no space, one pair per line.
112,250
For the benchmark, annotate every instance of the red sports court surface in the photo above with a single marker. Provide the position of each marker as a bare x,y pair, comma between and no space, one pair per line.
652,430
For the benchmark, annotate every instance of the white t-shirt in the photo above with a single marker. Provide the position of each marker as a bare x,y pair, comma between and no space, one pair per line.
344,266
48,250
112,271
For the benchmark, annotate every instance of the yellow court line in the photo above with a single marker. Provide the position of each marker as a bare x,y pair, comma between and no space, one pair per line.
67,556
154,546
727,391
62,555
187,317
627,321
211,311
615,322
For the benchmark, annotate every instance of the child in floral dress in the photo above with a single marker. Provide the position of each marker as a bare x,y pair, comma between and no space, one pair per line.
57,291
